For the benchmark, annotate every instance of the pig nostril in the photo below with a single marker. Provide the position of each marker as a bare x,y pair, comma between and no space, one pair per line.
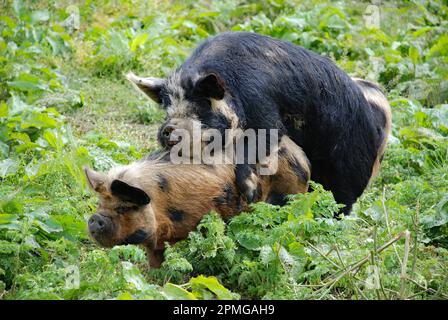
97,223
167,131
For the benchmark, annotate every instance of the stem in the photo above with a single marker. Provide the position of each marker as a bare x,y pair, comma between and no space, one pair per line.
357,290
362,261
427,289
404,265
415,248
439,291
386,215
323,255
372,261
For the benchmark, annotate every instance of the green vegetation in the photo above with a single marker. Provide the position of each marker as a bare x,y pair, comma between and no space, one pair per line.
64,103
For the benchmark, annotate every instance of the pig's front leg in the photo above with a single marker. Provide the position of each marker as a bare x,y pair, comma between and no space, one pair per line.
247,182
155,257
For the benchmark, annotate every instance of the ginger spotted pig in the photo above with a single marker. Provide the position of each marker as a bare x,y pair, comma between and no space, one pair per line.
153,201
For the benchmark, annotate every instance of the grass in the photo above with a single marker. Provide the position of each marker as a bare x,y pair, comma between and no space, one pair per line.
115,109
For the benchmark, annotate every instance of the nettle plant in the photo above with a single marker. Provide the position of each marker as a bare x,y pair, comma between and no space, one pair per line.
300,252
289,252
35,142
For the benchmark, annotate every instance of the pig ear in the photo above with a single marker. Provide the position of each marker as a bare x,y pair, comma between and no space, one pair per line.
96,180
129,193
150,86
210,85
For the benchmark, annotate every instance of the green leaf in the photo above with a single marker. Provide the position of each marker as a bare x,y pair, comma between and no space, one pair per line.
51,139
4,150
23,147
50,225
39,16
3,109
11,206
125,296
212,284
17,6
27,82
175,292
38,120
9,221
440,217
133,276
7,218
8,167
414,54
440,48
9,22
250,240
17,106
267,254
7,247
138,41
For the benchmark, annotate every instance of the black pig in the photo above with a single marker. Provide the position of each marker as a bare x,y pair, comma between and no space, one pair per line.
245,80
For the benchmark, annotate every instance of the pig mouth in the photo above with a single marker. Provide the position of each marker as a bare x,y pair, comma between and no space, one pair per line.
102,241
138,237
173,141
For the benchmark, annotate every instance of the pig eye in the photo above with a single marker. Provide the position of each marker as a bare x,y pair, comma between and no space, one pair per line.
166,101
125,209
121,209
